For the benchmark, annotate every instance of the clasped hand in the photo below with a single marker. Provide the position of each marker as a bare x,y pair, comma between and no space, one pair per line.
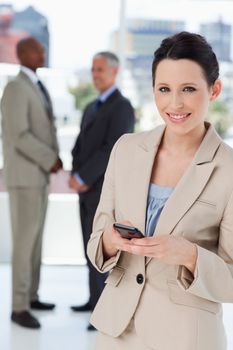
169,249
76,186
58,165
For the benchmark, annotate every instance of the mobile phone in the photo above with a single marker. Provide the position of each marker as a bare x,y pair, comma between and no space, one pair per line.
128,232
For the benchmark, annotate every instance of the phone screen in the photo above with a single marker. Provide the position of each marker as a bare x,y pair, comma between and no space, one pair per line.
128,232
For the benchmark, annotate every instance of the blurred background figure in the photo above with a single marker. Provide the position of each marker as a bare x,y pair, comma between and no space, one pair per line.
30,154
104,121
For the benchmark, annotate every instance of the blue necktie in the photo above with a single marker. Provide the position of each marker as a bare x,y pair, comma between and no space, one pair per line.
98,103
93,113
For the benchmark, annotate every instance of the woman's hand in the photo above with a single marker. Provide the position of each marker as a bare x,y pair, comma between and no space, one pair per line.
169,249
113,241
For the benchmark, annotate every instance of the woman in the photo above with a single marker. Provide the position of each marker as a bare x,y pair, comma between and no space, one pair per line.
165,290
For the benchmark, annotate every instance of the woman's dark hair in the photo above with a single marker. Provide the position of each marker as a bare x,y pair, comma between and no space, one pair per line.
185,45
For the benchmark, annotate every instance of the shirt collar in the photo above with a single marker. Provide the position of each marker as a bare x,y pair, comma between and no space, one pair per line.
104,96
30,74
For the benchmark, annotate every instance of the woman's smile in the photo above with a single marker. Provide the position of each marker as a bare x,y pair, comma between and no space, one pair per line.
178,117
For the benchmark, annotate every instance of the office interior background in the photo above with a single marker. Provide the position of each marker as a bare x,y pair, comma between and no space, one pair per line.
72,32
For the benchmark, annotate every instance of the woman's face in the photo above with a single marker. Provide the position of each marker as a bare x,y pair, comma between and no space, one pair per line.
182,94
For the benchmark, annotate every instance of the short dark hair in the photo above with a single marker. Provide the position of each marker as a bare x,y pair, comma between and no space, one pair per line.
24,43
185,45
110,57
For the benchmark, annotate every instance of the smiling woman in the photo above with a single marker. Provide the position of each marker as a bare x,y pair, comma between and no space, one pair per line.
182,94
168,183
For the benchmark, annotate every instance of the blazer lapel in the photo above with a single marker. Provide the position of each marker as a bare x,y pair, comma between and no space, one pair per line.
186,192
37,92
95,113
89,117
190,185
143,164
33,86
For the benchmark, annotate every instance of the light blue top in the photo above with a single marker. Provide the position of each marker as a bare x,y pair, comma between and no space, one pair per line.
157,197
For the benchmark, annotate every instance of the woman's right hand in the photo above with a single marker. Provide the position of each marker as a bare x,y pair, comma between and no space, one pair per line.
112,241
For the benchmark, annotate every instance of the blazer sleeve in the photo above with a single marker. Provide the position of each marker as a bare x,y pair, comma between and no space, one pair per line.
15,108
213,276
122,121
105,216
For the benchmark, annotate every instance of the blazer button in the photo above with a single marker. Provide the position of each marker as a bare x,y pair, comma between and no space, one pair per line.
139,278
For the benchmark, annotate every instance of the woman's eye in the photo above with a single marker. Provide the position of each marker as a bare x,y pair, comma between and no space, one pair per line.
164,89
189,89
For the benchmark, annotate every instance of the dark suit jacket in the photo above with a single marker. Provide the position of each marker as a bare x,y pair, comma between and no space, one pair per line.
100,129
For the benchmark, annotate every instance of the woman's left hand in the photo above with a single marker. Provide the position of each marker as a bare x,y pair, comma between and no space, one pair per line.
168,249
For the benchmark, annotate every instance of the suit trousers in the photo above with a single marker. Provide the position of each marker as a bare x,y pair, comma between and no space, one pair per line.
88,204
128,340
28,209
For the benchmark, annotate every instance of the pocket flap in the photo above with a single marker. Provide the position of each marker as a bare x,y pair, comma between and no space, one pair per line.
115,276
178,296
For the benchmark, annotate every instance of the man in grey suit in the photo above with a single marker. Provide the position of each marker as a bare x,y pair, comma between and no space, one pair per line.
30,154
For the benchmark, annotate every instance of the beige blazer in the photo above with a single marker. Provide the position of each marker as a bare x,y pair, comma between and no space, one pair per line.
172,309
29,136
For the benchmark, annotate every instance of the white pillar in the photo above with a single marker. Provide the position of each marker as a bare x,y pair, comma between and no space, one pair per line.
122,30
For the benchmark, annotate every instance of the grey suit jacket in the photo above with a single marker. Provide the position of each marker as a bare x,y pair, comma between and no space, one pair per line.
29,135
172,309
